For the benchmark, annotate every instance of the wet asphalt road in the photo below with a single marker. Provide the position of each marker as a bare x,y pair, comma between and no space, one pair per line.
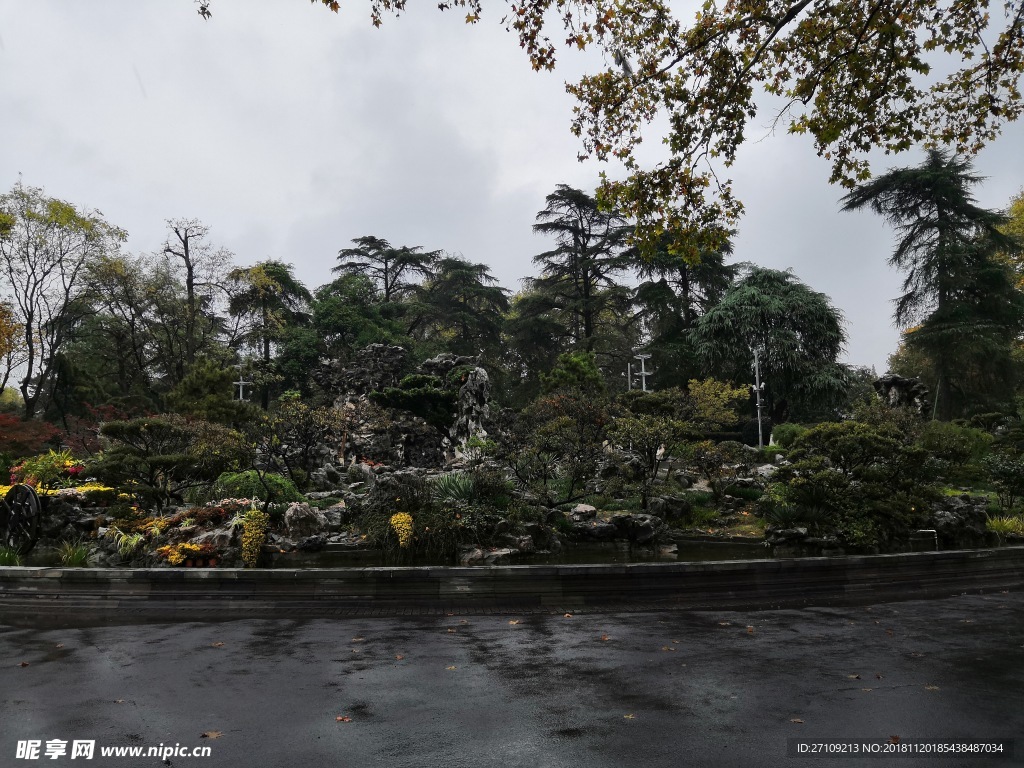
668,688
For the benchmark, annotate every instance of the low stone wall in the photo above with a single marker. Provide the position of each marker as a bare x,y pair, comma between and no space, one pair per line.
752,583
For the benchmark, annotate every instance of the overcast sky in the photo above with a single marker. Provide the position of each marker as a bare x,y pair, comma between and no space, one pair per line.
290,130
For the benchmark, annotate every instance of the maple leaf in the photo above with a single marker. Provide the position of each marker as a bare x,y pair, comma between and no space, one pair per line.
211,734
343,719
894,739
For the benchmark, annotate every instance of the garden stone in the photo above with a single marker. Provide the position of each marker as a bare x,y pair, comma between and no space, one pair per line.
582,512
312,543
657,506
472,410
493,556
897,391
596,530
471,555
523,544
786,535
219,538
960,520
301,520
638,528
676,507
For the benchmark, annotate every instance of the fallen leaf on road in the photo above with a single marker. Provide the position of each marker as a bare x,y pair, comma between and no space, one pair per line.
217,645
357,639
464,621
878,676
966,621
23,664
59,645
211,735
750,630
917,655
629,717
725,623
452,630
343,719
451,668
867,690
676,642
795,720
931,687
568,616
894,739
119,701
889,632
854,677
605,638
399,656
667,648
514,622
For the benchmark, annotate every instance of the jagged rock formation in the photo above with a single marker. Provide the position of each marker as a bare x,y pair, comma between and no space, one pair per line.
898,391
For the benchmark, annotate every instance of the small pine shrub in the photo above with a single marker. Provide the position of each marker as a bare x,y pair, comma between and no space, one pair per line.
786,434
247,485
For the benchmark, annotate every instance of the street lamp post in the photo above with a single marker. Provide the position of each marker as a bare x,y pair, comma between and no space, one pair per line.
758,389
241,383
644,373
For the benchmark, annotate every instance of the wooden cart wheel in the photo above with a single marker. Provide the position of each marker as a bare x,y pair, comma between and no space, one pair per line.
19,519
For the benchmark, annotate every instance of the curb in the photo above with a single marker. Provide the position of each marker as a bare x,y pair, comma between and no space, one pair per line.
744,583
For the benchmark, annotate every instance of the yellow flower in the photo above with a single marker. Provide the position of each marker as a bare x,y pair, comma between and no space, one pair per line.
401,524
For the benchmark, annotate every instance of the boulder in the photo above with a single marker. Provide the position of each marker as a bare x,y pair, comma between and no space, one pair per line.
594,530
582,512
302,521
637,528
312,543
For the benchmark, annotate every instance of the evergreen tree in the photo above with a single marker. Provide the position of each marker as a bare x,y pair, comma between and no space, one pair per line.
961,299
797,331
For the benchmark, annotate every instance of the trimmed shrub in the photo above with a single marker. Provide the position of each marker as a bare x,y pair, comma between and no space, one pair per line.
248,485
786,434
